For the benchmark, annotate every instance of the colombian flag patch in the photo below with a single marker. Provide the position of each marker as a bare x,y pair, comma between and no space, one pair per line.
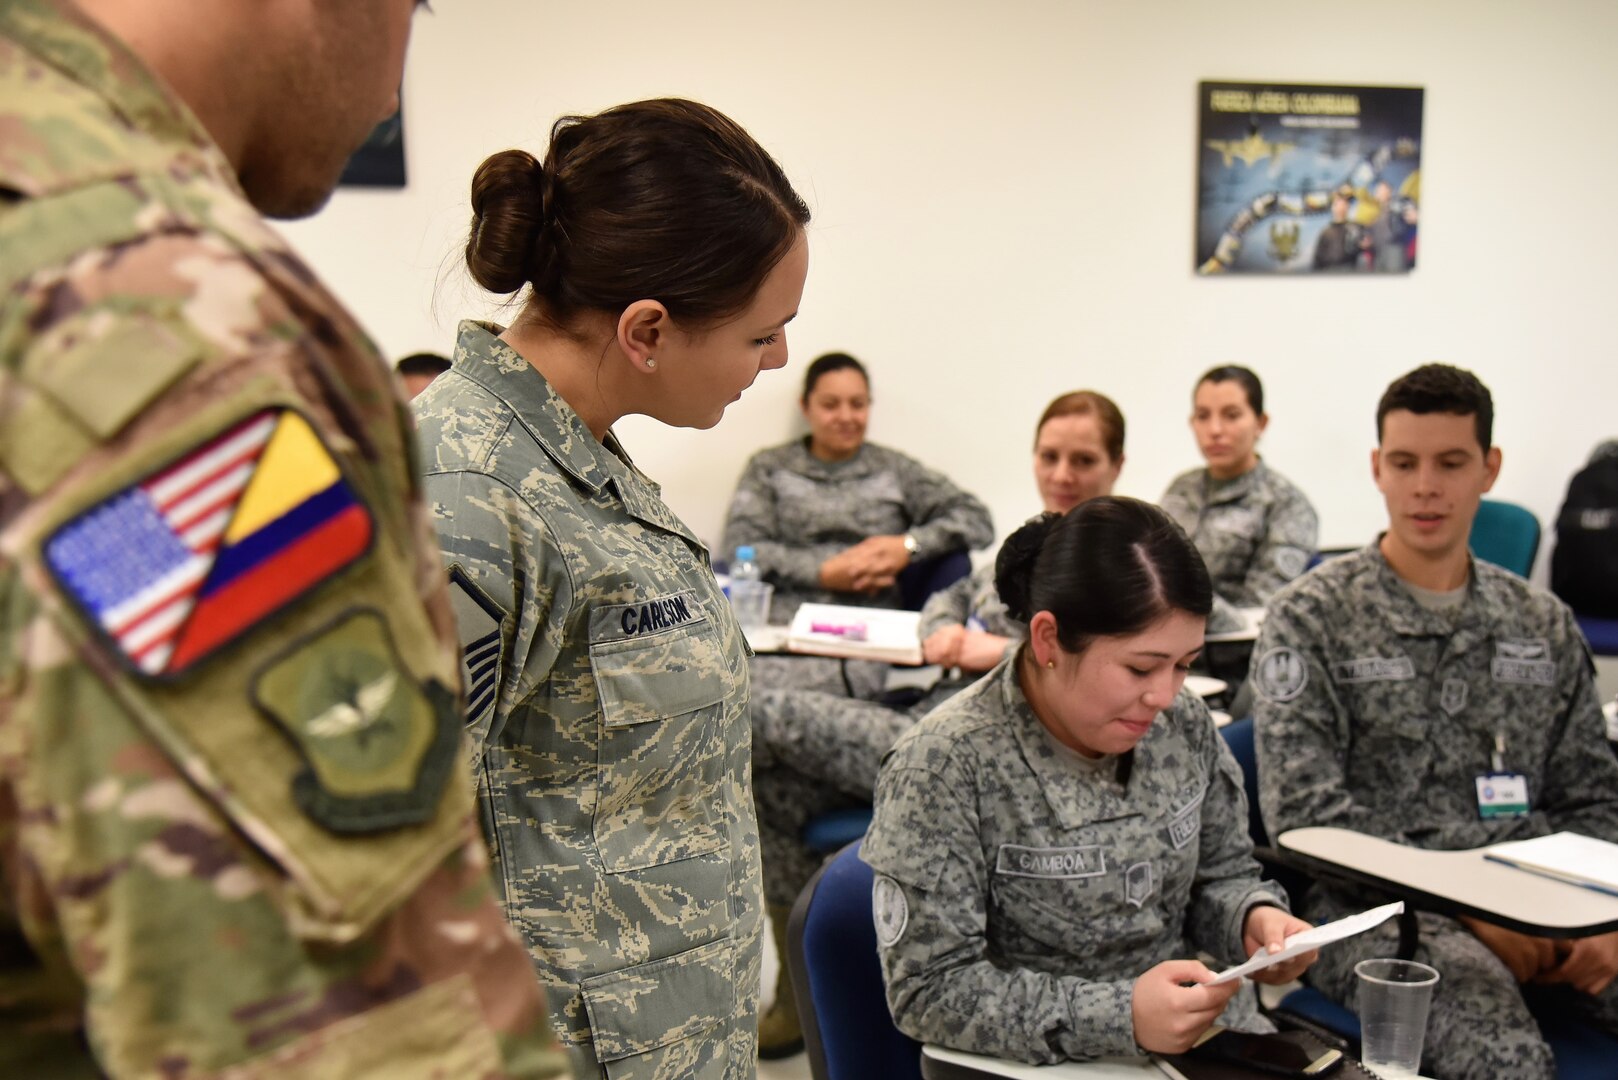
181,563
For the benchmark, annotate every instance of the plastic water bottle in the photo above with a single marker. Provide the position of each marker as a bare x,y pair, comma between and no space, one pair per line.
746,585
743,570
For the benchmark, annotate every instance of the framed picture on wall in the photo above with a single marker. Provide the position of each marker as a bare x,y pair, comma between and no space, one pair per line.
380,161
1295,179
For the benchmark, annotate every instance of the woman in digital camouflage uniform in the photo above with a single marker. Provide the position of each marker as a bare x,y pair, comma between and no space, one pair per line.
663,253
1055,844
815,752
1256,531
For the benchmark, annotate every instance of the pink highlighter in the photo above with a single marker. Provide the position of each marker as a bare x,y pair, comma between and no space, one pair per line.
846,631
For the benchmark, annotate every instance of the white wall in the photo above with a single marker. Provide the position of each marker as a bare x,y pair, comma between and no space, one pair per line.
1003,197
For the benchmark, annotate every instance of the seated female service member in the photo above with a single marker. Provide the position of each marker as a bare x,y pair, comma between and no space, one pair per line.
814,752
664,254
1054,844
833,518
1255,530
1078,454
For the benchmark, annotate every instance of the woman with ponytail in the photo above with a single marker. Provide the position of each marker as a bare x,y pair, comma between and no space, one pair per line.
1055,844
659,253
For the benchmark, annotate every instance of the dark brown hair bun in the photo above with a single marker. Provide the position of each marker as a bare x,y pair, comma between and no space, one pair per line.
1111,566
508,214
668,200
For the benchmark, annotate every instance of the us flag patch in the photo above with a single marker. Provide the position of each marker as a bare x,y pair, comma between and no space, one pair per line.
183,562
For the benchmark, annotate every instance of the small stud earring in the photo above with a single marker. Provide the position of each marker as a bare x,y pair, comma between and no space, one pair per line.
1051,664
651,363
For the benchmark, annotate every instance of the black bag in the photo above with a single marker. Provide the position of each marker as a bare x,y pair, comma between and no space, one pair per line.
1584,563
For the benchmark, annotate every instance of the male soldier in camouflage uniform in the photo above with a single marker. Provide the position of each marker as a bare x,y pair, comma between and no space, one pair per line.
1391,680
1256,533
234,833
607,682
1007,864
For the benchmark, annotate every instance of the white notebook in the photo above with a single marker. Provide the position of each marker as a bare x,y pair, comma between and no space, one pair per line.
1566,856
860,633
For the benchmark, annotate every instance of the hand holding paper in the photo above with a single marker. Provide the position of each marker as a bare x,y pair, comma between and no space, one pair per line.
1314,938
1266,928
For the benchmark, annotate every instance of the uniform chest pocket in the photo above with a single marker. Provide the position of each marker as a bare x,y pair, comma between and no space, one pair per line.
1393,756
1057,896
662,781
1241,523
1231,535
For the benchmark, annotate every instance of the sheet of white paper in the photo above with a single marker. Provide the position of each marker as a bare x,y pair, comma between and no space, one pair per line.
1313,938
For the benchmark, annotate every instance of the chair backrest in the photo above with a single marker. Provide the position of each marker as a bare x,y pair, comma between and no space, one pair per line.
920,580
1238,735
1505,534
842,1003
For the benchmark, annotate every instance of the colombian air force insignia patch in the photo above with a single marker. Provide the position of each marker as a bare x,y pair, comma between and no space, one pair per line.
378,746
889,909
1280,674
181,563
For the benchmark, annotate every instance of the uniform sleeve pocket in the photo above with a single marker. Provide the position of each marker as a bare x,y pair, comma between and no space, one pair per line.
649,1020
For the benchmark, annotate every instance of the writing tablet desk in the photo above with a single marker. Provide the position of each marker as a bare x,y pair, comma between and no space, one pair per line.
940,1064
1252,622
772,642
1454,883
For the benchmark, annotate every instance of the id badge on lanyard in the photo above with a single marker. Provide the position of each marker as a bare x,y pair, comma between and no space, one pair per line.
1501,793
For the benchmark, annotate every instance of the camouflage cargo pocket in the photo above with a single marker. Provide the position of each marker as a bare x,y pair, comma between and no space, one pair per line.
661,766
656,1021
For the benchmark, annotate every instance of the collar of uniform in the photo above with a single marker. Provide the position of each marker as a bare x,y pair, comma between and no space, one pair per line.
1074,802
1237,487
67,39
642,498
1406,615
481,356
808,465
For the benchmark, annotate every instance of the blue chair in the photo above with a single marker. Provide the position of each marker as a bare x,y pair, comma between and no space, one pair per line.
1307,1004
836,829
1505,534
1602,634
920,580
842,1003
1582,1052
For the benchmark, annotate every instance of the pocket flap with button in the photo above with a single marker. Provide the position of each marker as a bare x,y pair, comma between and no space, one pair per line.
639,1009
656,659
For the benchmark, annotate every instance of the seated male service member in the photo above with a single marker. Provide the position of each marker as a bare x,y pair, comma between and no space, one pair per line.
1412,692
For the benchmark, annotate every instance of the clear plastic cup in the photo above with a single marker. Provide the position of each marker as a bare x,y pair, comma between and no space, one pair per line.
1394,998
751,602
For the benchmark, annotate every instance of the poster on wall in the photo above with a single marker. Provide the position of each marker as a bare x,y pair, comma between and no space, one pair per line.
1298,179
380,161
